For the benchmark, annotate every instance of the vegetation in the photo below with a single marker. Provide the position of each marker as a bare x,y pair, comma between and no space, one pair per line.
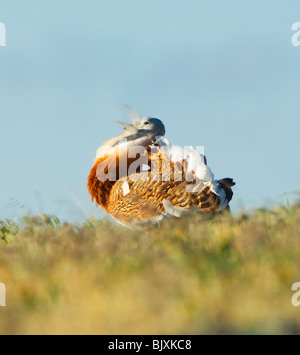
221,275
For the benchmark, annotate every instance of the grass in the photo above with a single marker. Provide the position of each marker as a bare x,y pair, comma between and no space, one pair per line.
226,275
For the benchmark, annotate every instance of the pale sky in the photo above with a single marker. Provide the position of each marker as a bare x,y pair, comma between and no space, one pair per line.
223,75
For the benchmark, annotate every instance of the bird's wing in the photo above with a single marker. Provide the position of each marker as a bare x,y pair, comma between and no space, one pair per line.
144,194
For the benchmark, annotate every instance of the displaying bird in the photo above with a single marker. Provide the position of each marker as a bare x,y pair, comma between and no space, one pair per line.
139,176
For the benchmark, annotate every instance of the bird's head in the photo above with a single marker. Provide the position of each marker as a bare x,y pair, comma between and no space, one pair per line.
140,132
146,127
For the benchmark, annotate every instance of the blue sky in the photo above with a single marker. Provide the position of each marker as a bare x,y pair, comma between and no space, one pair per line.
224,75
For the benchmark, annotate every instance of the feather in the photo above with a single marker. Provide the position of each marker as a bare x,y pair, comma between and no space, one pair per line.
194,157
125,188
128,127
132,113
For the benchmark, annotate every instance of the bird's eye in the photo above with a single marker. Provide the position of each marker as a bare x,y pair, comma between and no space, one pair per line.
146,122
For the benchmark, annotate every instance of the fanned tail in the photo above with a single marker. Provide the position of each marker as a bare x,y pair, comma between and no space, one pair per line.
226,184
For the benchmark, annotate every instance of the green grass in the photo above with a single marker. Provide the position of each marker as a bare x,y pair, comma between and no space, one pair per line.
189,276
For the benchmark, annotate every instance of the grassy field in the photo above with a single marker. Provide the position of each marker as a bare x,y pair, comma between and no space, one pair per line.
222,275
